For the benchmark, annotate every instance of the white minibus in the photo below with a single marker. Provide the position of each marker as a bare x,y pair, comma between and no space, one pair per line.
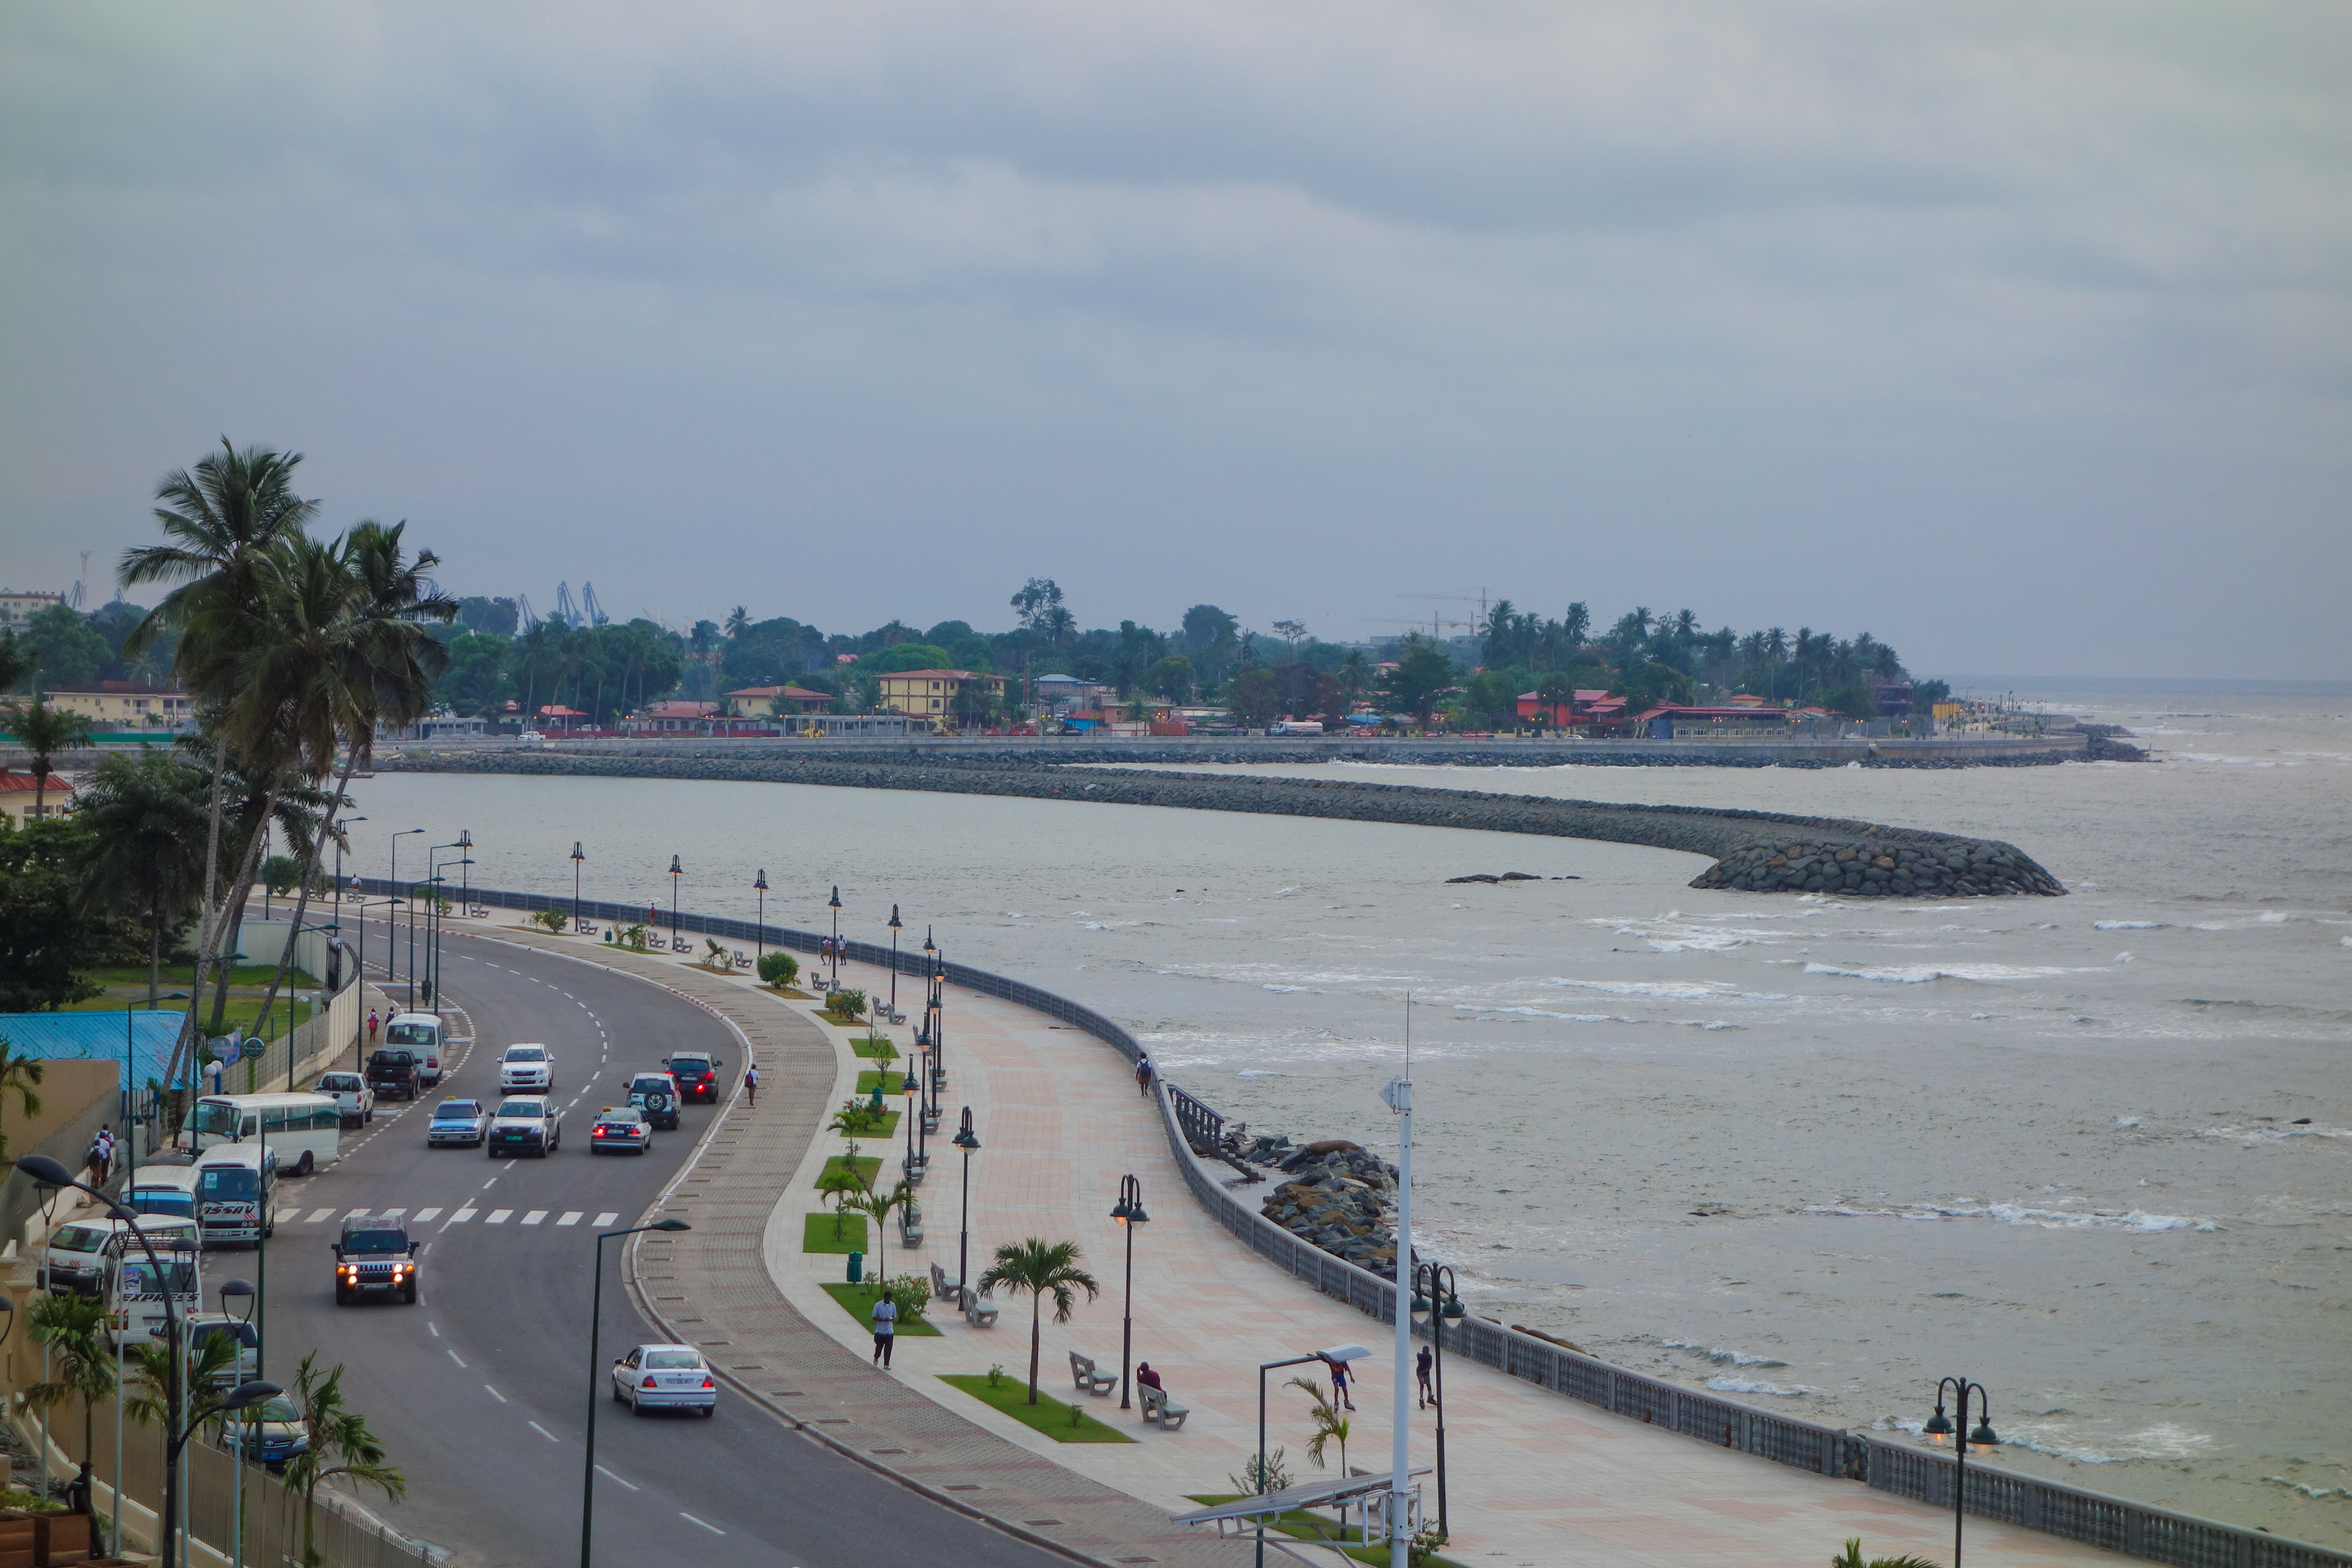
236,1192
303,1130
76,1255
163,1189
135,1290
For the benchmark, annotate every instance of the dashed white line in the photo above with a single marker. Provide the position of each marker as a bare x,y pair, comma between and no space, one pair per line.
611,1476
461,1361
545,1433
705,1523
606,1221
495,1393
571,1217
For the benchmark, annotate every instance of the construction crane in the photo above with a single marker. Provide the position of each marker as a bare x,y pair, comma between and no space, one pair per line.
596,616
565,610
523,609
84,578
1464,597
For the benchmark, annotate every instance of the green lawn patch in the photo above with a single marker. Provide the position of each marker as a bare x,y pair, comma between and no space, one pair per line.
871,1049
1300,1524
885,1127
857,1300
816,1234
1049,1415
244,1008
176,976
869,1166
893,1081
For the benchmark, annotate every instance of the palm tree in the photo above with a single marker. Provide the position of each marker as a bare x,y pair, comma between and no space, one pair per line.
74,1327
341,1445
1355,677
146,818
878,1205
1331,1424
1040,1268
1851,1557
1557,693
19,1073
43,731
739,621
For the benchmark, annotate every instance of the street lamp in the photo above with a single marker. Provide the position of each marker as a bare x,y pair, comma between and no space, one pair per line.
1940,1430
243,1295
969,1142
1126,1216
912,1084
391,929
1441,1303
759,927
675,872
576,858
1332,1357
930,961
940,1022
596,1373
835,904
45,1172
343,832
894,960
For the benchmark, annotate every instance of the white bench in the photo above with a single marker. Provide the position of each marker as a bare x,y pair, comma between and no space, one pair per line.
1160,1410
911,1224
979,1311
1088,1378
942,1288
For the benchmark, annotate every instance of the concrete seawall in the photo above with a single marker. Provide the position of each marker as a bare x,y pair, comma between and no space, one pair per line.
1753,850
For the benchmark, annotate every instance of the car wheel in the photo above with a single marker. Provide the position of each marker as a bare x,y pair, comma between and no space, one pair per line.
617,1398
342,1297
306,1164
710,1409
489,1151
634,1408
409,1296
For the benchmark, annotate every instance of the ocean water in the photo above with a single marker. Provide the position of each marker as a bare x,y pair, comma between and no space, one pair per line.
2094,1152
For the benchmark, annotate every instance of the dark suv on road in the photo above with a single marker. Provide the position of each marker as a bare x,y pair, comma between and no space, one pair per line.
393,1071
697,1072
376,1258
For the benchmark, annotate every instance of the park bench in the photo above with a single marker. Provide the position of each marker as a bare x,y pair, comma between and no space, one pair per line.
979,1311
479,912
743,959
586,927
1158,1407
913,1166
942,1288
1088,1378
911,1224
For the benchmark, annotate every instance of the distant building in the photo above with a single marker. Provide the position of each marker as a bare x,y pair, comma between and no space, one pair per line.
852,726
932,694
446,726
17,792
18,607
1583,707
761,702
1066,694
116,706
1671,721
676,716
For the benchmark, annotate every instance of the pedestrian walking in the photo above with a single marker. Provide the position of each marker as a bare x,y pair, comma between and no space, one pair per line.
373,1021
1143,1075
1340,1395
751,1085
97,1158
885,1328
1421,1368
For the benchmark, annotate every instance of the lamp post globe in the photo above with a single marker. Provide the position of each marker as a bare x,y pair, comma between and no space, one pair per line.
675,872
969,1142
1128,1214
1940,1430
576,858
760,926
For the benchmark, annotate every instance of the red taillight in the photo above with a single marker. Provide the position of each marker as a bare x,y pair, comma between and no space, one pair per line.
708,1384
651,1384
599,1132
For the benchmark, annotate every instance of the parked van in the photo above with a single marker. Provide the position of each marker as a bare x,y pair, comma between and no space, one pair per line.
135,1288
304,1130
163,1189
236,1192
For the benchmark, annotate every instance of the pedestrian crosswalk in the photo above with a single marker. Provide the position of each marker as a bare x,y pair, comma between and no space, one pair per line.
427,1216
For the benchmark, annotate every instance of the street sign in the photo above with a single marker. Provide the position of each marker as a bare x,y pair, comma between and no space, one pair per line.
225,1049
254,1048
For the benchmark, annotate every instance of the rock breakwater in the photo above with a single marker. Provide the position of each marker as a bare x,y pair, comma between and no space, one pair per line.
1958,870
1750,837
1340,1198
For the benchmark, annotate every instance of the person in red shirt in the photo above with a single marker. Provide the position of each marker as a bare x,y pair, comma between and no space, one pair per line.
1146,1377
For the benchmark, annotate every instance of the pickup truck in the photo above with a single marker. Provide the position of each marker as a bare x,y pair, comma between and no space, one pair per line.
352,1096
393,1072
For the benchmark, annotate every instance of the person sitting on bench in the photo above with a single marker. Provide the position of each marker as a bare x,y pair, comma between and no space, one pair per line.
1146,1377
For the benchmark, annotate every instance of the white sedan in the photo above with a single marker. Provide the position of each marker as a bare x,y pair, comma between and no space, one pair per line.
529,1067
664,1377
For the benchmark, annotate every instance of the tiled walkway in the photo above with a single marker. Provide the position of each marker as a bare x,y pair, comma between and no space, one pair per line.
1535,1479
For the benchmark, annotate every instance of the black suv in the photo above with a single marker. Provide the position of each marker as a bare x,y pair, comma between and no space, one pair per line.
697,1072
376,1258
392,1071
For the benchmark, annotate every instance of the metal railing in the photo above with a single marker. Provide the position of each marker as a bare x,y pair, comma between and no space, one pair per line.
2135,1529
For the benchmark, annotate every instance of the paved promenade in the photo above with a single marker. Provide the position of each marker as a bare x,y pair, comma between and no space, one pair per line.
1535,1479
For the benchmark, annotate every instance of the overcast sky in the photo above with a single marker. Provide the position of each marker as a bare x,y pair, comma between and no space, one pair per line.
2016,334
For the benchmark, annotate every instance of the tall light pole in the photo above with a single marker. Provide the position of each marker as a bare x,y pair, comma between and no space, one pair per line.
675,872
914,1171
1399,1096
760,926
835,904
576,858
391,929
342,834
1126,1216
243,1294
930,955
597,1374
894,960
1940,1430
969,1142
1336,1356
1443,1303
466,871
939,1023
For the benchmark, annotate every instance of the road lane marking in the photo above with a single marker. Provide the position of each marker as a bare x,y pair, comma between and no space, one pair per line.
545,1433
611,1476
495,1393
357,1214
462,1216
319,1214
427,1216
392,1213
571,1218
432,1329
461,1361
498,1217
692,1519
606,1221
534,1216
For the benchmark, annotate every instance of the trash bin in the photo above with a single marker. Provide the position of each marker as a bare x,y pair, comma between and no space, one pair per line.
857,1267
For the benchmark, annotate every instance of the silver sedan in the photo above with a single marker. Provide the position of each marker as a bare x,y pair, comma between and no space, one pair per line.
664,1377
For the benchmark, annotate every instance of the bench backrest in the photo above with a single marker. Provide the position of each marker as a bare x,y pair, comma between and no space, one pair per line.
1152,1398
1081,1363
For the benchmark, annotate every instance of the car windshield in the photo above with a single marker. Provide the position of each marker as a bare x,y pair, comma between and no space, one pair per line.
673,1360
409,1034
533,1109
138,1279
214,1119
457,1110
689,1064
392,1057
648,1083
163,1200
619,1118
281,1410
244,1335
227,1183
526,1053
374,1241
77,1238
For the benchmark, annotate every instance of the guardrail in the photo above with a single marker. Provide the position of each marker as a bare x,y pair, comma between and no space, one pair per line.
2072,1513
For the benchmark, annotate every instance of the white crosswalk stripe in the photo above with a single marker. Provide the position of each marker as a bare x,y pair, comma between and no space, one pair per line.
427,1216
534,1216
319,1214
394,1213
606,1221
572,1217
498,1217
356,1214
463,1215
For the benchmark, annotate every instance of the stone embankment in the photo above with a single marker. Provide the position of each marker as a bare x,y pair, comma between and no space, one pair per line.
1958,870
1339,1197
1750,837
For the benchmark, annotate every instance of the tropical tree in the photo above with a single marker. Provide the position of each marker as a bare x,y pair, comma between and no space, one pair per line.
43,731
1040,1269
1355,678
1331,1422
1421,676
46,931
341,1446
145,816
1851,1557
739,621
18,1075
843,1185
80,1365
879,1206
15,660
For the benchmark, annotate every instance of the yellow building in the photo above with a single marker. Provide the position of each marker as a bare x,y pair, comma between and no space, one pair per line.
114,705
932,694
17,791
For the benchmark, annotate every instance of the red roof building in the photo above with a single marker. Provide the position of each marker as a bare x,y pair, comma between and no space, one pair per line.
16,795
1583,707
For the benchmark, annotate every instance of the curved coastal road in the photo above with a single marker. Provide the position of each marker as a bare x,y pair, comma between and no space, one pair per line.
480,1390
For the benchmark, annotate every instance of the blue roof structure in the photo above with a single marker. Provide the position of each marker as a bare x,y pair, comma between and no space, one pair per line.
97,1037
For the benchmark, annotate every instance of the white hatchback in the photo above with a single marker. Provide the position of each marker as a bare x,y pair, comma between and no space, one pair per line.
527,1067
664,1377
